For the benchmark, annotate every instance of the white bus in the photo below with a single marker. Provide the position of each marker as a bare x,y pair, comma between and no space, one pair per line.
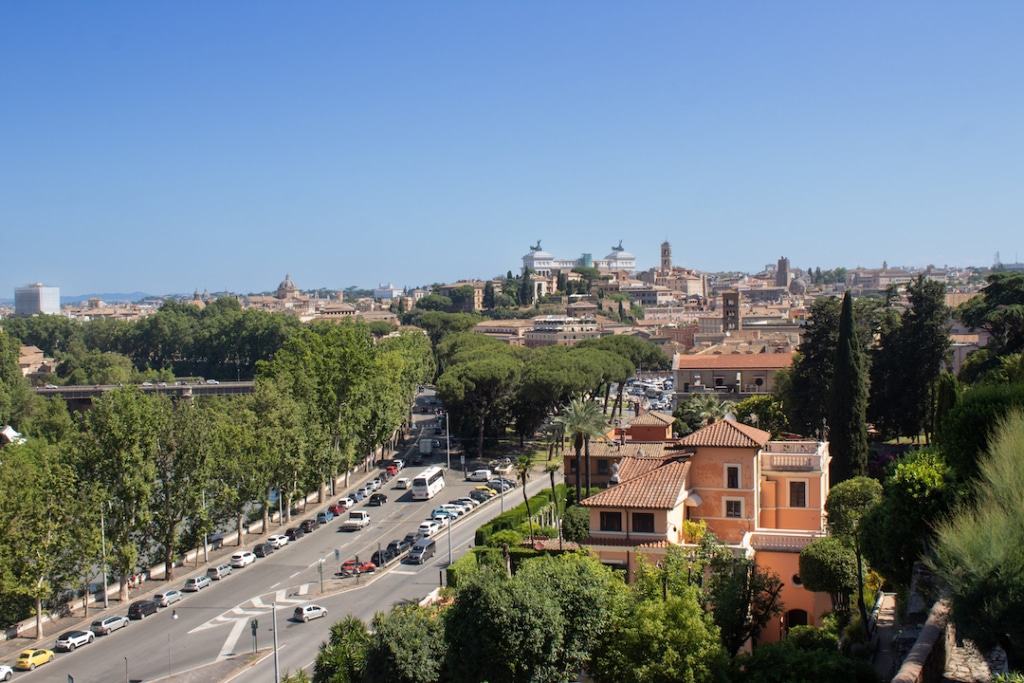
427,483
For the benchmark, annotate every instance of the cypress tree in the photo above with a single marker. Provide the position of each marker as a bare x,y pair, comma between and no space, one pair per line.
848,405
488,295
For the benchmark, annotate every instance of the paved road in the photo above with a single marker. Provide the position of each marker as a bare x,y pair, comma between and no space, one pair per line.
214,624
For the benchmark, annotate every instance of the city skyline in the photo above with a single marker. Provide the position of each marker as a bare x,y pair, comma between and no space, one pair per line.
164,149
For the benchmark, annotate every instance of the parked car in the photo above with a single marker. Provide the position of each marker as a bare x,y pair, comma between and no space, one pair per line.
410,538
336,509
278,541
481,496
5,672
346,503
377,499
396,547
442,520
353,567
398,463
471,502
391,471
382,557
219,572
294,533
308,612
67,642
167,598
242,559
263,549
479,475
428,528
402,483
441,512
459,510
486,489
422,551
499,485
28,660
462,505
309,525
324,517
212,381
359,495
196,583
141,609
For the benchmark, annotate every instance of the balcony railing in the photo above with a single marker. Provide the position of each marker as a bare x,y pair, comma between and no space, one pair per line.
793,463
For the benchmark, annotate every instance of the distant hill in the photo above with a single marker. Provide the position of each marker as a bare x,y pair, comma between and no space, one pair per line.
109,297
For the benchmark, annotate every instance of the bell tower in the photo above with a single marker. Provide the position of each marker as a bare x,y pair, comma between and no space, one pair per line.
666,257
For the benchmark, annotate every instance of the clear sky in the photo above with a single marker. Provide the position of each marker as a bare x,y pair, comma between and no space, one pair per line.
178,145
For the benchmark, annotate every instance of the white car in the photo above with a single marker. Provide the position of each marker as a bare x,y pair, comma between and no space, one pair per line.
67,642
347,502
456,510
278,540
242,559
307,612
167,598
212,381
108,625
196,583
468,501
402,483
462,505
441,522
428,528
6,672
479,475
399,464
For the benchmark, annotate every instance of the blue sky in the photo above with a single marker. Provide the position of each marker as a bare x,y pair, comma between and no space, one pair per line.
171,146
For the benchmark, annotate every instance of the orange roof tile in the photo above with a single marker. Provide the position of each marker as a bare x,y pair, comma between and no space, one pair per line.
632,467
661,488
730,361
727,434
652,418
613,449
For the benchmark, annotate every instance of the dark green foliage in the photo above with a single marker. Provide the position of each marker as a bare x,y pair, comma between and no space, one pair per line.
15,395
640,352
964,434
979,553
791,661
848,401
947,397
999,310
848,502
576,524
435,302
806,389
502,631
342,658
828,565
407,646
513,518
898,530
764,412
744,598
488,298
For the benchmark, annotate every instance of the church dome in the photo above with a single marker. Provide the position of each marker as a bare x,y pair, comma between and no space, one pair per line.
286,287
797,286
619,256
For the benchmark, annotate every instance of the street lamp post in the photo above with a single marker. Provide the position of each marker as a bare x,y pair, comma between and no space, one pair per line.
206,551
448,439
277,665
320,568
125,670
174,617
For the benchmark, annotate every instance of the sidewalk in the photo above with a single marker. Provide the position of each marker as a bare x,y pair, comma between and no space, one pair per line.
886,659
78,620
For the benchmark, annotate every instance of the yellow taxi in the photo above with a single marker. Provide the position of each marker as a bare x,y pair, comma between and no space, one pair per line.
30,659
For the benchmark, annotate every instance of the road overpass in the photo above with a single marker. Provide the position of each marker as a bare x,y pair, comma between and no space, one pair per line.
83,394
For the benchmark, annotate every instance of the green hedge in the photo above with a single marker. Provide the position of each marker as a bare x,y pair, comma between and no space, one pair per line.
461,568
470,563
516,517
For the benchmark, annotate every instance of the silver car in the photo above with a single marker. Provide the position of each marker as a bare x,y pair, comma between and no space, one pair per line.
167,598
108,625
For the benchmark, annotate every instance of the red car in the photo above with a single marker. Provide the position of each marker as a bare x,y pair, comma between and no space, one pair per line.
392,470
337,509
351,567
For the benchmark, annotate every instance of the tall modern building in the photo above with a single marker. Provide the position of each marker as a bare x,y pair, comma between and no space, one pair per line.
35,299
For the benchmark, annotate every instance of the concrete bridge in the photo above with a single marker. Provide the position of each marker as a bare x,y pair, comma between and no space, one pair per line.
81,395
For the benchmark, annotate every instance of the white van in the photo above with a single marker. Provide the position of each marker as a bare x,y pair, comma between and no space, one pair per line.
479,475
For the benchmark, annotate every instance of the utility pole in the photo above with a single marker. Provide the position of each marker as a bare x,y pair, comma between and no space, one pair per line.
206,550
320,568
277,664
448,439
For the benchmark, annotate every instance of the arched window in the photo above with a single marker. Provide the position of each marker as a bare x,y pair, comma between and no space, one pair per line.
796,617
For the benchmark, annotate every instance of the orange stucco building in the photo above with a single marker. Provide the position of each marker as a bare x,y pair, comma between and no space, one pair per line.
763,498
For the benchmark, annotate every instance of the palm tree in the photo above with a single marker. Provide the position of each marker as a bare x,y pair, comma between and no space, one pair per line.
700,411
551,468
523,466
581,420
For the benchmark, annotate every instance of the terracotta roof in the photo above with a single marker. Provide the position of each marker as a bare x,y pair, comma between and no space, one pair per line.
613,449
727,434
652,418
632,467
661,488
730,361
792,543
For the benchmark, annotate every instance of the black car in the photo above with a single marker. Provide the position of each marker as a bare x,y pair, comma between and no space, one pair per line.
308,525
377,499
141,609
381,557
410,538
295,533
396,548
417,459
481,496
262,549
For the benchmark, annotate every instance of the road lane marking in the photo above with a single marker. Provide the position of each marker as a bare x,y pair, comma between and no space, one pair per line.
229,643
